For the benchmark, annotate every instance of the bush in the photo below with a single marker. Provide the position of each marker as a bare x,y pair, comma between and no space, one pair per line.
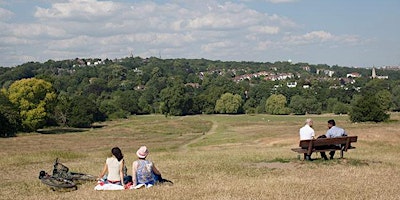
341,108
367,108
9,118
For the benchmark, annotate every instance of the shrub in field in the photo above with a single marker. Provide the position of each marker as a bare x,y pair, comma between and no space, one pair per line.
9,118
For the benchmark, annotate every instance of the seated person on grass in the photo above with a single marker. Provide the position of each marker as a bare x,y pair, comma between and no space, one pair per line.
144,173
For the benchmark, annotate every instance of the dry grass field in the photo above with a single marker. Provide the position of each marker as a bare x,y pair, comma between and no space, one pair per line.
211,157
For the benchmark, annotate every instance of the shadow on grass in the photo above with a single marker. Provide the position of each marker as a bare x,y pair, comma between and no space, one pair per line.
339,161
60,130
293,162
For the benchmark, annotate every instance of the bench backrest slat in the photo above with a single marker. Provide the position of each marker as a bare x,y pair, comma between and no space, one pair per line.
328,141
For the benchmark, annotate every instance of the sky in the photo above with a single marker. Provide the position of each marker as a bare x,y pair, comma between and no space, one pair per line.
356,33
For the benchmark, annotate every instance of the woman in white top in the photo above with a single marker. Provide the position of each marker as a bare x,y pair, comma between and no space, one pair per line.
114,168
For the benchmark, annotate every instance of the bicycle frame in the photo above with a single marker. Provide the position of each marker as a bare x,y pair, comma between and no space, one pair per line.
60,170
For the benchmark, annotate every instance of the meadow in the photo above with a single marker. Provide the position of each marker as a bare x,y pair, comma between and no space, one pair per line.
211,157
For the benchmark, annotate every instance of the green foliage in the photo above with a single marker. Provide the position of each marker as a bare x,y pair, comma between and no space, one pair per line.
34,98
276,105
368,108
250,106
9,117
396,98
330,104
134,85
120,104
127,101
83,112
173,99
229,104
384,98
373,103
297,104
302,106
341,108
109,108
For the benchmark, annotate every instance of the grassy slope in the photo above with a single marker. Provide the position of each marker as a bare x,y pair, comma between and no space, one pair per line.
212,157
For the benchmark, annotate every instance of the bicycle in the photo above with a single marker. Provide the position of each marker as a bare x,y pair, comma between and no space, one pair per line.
62,171
56,182
63,178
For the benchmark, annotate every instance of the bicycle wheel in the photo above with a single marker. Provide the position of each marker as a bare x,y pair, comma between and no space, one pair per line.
58,182
75,176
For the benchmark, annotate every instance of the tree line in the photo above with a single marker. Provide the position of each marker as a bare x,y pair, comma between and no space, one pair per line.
77,93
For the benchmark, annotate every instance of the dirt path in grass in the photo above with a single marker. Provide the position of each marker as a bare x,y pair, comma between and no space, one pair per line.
212,130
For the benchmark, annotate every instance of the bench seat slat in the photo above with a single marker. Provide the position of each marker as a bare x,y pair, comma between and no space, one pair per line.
300,150
327,141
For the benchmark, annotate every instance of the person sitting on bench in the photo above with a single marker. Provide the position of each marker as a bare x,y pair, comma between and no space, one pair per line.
333,131
306,133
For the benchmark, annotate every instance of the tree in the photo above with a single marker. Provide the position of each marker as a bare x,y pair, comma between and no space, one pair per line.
371,105
384,98
111,110
301,105
276,105
83,112
341,108
127,101
396,98
34,98
61,110
229,104
297,104
257,96
367,108
9,117
330,104
173,98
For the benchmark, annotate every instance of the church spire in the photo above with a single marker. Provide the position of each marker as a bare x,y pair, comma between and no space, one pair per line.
373,72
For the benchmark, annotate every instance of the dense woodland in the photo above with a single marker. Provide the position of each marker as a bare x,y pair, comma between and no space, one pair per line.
79,92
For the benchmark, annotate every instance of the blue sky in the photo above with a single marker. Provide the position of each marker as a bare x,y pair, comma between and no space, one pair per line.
357,33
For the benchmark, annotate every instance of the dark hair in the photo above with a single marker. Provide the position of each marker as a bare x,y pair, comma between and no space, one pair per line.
331,121
117,153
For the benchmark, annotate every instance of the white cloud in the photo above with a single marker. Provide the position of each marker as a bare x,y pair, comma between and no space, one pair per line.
281,1
216,45
12,40
311,37
265,29
321,37
273,1
5,14
36,30
78,9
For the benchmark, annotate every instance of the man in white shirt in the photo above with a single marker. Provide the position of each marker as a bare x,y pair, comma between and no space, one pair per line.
307,133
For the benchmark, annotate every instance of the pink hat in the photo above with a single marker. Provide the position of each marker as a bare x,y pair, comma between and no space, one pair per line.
142,152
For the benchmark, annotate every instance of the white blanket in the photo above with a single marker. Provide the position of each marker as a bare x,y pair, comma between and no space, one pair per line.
108,186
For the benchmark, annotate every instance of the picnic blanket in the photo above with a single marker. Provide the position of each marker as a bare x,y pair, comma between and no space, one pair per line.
108,186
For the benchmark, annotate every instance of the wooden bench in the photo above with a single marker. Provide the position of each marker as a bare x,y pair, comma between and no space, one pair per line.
341,144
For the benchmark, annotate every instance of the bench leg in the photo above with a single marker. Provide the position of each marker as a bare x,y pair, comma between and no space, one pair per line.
307,157
341,153
323,155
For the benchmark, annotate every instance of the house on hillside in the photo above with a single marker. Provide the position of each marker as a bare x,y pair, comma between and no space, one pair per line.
291,84
353,75
326,72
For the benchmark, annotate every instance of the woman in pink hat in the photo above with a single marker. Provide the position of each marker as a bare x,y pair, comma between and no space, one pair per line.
144,173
